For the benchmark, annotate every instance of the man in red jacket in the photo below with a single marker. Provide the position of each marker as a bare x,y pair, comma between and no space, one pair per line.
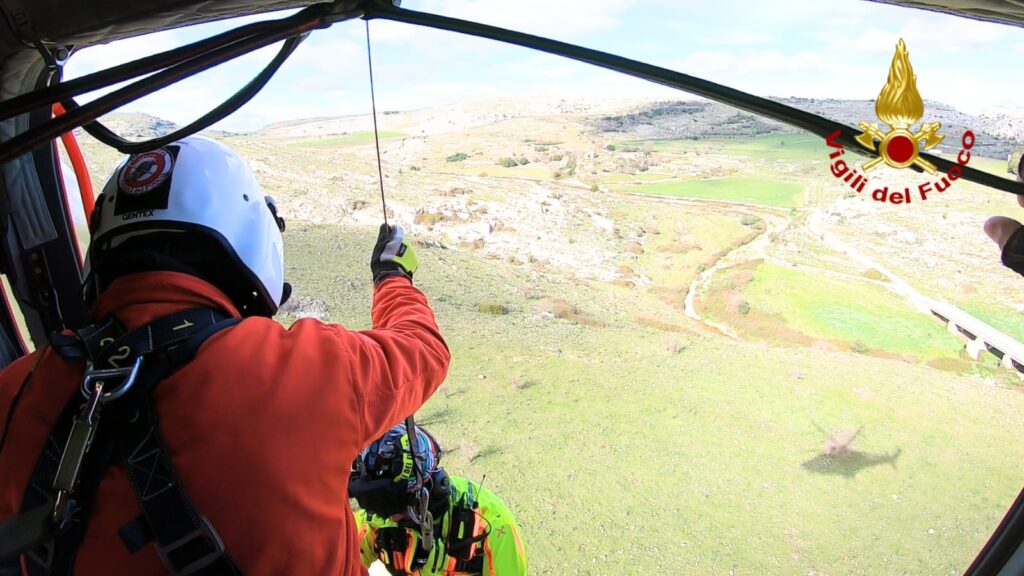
260,427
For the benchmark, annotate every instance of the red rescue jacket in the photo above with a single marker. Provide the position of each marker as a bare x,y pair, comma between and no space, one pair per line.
262,426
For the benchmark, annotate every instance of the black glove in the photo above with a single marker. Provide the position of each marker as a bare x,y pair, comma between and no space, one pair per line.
392,255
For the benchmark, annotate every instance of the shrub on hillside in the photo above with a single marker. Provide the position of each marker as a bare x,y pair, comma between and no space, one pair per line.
570,166
428,218
874,274
507,162
496,308
457,157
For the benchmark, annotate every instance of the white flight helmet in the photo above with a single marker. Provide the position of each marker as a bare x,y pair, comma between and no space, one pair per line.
194,186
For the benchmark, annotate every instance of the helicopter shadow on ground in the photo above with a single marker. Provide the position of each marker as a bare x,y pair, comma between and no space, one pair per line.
848,464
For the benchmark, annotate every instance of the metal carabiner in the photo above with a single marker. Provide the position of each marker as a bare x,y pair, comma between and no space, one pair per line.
420,505
128,375
424,518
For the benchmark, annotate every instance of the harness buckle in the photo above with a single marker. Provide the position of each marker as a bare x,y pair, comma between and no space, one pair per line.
205,534
128,374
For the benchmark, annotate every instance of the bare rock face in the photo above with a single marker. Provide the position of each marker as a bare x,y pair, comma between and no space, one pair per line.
996,131
138,125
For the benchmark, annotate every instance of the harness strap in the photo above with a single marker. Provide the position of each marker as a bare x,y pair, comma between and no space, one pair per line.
186,543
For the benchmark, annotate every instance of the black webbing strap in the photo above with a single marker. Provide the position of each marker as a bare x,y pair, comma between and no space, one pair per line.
168,343
185,541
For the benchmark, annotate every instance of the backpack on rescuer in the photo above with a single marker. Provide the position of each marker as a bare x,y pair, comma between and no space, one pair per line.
193,189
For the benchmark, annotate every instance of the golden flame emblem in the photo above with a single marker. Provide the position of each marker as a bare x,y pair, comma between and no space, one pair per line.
900,106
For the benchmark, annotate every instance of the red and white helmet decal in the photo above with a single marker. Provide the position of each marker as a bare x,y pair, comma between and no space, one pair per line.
144,172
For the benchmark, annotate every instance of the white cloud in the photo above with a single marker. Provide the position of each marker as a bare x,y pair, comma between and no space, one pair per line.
561,19
745,38
805,48
101,56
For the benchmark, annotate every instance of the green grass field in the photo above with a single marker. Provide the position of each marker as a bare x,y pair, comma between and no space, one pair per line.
848,311
863,316
772,146
734,189
779,146
346,140
620,456
1002,318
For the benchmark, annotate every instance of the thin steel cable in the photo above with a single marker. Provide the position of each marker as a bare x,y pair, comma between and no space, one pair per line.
376,134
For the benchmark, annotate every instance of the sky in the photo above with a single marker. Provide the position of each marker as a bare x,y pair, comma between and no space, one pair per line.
808,48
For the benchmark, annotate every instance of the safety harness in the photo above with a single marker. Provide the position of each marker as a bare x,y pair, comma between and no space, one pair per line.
115,415
462,531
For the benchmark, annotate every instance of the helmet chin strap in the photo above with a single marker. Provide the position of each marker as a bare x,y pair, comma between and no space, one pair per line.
286,293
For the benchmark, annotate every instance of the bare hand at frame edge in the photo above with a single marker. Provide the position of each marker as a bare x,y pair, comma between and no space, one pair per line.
1008,233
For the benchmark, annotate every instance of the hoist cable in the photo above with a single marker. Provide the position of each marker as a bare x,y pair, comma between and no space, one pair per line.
376,133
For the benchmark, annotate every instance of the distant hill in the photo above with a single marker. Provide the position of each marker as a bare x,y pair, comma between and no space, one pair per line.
450,118
996,134
141,126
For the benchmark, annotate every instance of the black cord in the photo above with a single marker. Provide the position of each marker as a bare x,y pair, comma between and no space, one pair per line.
110,138
103,78
376,135
32,138
316,16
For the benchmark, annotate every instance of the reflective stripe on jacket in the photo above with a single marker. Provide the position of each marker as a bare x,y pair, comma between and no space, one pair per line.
262,427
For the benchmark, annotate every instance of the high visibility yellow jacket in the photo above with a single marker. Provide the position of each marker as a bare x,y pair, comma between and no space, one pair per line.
500,552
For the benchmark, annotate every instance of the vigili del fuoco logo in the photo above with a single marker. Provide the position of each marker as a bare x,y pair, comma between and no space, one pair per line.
899,106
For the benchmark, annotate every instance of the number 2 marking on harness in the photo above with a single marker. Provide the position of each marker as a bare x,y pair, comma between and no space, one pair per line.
122,353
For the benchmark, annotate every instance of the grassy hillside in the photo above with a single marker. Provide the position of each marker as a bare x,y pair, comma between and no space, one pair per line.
750,190
785,305
628,449
628,436
344,140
